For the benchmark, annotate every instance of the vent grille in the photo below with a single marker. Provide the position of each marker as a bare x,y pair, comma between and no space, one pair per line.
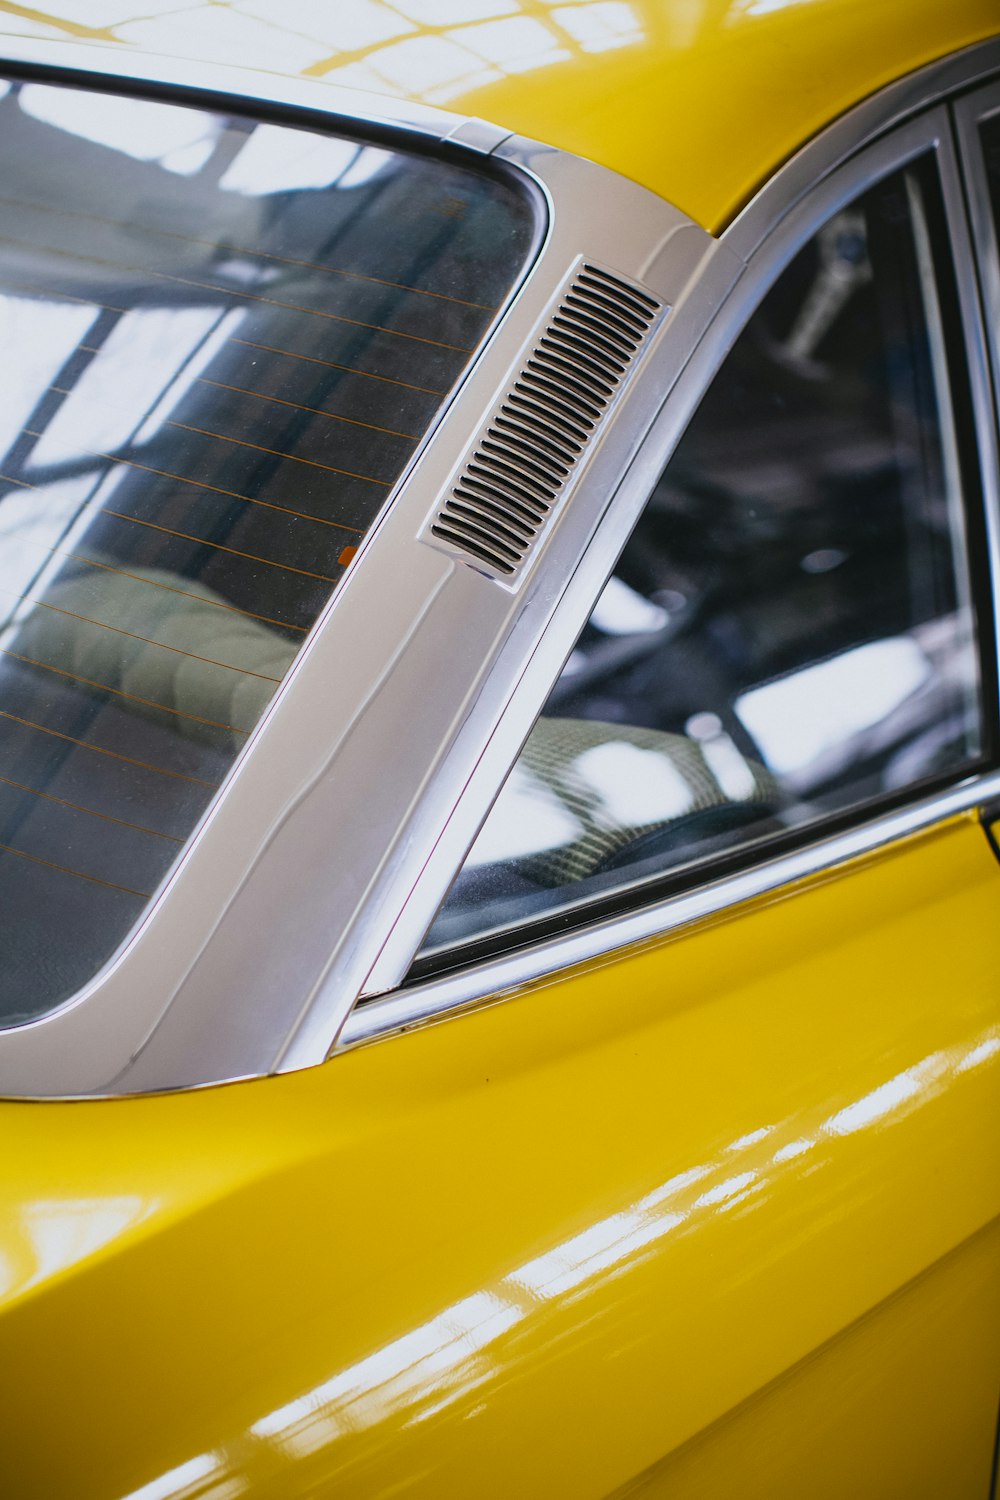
525,459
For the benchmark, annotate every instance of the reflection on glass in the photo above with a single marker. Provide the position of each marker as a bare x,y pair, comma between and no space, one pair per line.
222,343
179,140
789,630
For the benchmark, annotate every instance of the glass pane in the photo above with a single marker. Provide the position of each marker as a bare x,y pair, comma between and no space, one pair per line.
222,341
788,633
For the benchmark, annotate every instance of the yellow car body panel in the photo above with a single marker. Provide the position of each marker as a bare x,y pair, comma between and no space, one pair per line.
690,1221
699,100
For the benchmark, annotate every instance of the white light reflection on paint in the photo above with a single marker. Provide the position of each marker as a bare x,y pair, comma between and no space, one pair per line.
60,1233
484,42
754,1138
597,1248
204,1477
599,26
979,1054
724,1190
447,1357
792,1150
445,1349
888,1097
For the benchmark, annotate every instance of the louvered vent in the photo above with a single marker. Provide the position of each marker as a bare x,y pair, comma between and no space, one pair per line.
527,456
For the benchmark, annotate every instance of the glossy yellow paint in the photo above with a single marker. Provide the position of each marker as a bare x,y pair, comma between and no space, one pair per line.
582,1240
699,100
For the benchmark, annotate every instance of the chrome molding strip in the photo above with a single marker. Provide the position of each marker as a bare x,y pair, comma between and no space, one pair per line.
718,303
970,112
620,935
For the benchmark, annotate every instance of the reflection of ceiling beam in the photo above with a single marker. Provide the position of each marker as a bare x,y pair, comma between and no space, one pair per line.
74,28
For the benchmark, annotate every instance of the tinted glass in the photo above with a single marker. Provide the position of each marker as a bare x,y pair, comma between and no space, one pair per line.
788,633
222,342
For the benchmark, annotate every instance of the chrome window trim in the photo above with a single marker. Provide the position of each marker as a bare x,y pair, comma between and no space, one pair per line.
621,936
970,112
197,997
762,256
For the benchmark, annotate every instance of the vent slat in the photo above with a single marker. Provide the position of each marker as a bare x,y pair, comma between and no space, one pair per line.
540,432
547,470
630,293
511,480
580,353
603,344
551,412
492,514
612,324
589,385
472,546
502,493
563,389
631,322
513,424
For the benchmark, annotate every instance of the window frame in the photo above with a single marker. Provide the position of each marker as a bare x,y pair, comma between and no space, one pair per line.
765,238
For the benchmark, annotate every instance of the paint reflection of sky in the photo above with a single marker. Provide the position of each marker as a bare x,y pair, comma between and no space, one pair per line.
430,49
54,1235
445,1359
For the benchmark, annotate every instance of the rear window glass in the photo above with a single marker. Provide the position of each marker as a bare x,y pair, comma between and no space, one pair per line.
222,341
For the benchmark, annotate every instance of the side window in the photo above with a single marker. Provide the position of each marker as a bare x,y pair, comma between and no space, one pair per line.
789,633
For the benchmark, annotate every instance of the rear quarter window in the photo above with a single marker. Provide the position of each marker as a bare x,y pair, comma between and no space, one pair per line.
223,342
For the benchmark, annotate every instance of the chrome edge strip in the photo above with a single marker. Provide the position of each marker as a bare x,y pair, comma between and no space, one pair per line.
620,935
969,113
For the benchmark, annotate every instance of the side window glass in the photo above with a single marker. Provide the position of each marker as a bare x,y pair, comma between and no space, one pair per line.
789,632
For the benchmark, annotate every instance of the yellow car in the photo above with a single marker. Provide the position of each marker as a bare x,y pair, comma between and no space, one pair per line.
500,534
